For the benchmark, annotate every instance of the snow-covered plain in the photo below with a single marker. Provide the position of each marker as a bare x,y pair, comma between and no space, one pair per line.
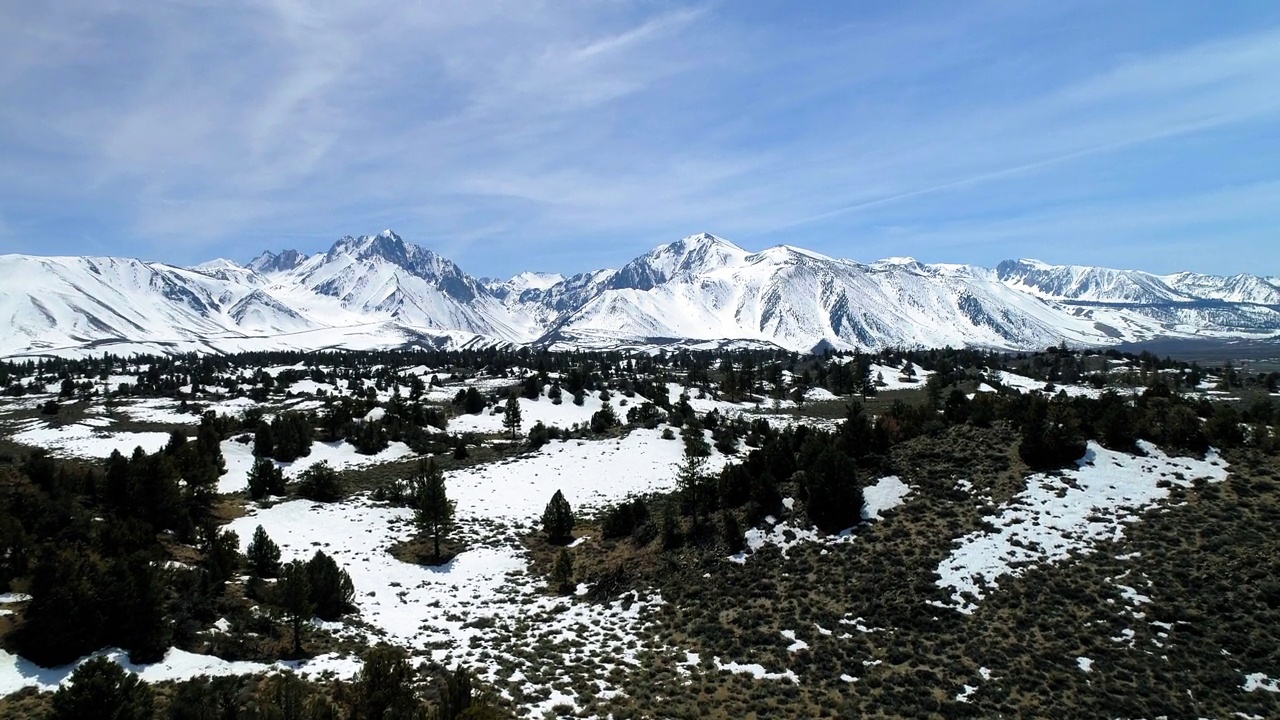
1060,515
88,439
483,606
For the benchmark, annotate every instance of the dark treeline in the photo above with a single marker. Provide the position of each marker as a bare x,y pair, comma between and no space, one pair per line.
94,546
738,374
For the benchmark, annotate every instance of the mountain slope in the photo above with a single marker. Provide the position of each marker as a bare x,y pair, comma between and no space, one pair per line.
380,291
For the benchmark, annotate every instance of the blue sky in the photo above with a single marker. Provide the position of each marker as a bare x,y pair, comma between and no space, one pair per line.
564,136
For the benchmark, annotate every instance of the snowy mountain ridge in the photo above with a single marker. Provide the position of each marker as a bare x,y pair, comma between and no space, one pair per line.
381,291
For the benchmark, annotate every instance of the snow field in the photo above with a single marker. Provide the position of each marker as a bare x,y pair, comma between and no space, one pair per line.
1060,515
541,410
484,608
340,455
893,380
85,439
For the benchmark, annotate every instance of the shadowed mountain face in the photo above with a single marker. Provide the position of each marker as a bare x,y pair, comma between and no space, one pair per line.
381,291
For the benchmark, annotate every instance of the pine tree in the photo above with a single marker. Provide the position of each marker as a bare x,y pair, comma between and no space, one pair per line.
265,478
604,418
263,555
321,483
511,416
562,572
833,500
557,519
100,688
384,686
294,590
433,510
141,625
691,483
731,531
332,592
669,527
539,435
221,557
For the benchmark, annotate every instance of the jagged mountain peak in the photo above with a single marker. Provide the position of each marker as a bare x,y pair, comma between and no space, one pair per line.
689,256
269,262
386,245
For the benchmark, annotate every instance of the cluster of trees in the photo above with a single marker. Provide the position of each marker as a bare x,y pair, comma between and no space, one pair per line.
87,542
827,470
286,438
90,545
305,589
387,686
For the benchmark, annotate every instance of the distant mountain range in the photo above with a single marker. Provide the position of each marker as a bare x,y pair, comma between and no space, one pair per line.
380,291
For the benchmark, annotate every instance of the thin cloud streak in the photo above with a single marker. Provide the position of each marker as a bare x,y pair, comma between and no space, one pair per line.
591,131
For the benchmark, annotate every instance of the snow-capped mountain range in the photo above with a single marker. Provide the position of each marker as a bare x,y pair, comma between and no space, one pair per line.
380,291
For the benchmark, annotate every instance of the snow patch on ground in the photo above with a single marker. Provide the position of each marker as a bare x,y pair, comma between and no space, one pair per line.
541,410
757,671
1058,515
885,494
84,440
153,410
796,645
340,455
891,378
591,473
1026,385
1259,681
17,673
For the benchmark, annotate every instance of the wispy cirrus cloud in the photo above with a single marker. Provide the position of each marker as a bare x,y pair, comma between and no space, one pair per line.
512,134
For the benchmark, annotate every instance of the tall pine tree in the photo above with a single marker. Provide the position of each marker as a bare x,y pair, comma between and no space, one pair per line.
433,510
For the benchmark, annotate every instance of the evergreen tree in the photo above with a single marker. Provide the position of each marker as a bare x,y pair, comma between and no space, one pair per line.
65,618
557,519
538,435
562,572
221,558
731,531
265,478
511,416
139,599
691,484
332,592
604,418
833,500
321,483
460,449
284,696
102,690
384,686
669,527
433,510
263,555
294,590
